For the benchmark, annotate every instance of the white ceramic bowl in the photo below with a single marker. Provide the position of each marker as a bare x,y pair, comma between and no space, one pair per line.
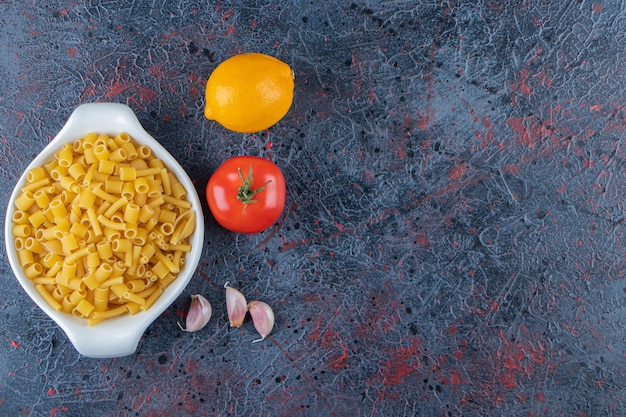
117,336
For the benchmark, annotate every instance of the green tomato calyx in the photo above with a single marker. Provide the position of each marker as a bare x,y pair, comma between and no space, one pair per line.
245,193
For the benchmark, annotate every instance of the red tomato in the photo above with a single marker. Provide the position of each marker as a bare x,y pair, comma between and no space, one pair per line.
246,194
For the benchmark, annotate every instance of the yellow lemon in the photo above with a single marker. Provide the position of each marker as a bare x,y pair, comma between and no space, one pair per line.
249,92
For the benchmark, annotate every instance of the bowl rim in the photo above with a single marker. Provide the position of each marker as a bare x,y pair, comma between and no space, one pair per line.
118,336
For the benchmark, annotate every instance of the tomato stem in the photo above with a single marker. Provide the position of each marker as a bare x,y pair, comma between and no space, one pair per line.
245,193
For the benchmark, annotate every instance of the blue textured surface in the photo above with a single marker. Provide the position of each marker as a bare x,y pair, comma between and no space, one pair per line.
454,235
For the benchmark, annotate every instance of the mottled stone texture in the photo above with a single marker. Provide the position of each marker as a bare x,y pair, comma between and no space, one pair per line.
454,234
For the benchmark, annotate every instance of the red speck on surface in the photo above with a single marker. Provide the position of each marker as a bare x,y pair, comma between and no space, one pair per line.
494,306
424,119
311,297
457,171
89,91
422,240
530,131
196,82
317,321
340,361
328,338
116,89
512,169
517,125
71,51
291,245
15,344
486,122
596,107
51,392
170,35
402,362
466,399
456,377
524,88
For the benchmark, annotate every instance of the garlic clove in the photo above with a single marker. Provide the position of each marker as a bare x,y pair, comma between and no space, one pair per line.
198,315
262,317
236,306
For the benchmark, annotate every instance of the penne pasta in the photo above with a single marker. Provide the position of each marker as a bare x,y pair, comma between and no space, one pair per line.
93,219
101,299
68,271
131,213
20,243
131,151
83,309
21,230
32,244
108,223
48,298
66,155
119,203
104,249
44,280
77,172
107,314
41,198
118,155
77,254
36,174
134,298
25,257
112,281
59,211
148,172
122,138
24,200
33,270
158,291
102,229
160,269
36,185
103,272
20,217
179,192
144,152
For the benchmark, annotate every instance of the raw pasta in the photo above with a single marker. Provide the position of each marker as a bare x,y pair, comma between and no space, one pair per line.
103,228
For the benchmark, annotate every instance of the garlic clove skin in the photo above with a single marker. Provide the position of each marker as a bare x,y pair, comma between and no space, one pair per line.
198,315
262,317
236,306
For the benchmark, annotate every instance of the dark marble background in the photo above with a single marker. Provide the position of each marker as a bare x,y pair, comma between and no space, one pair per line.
454,234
